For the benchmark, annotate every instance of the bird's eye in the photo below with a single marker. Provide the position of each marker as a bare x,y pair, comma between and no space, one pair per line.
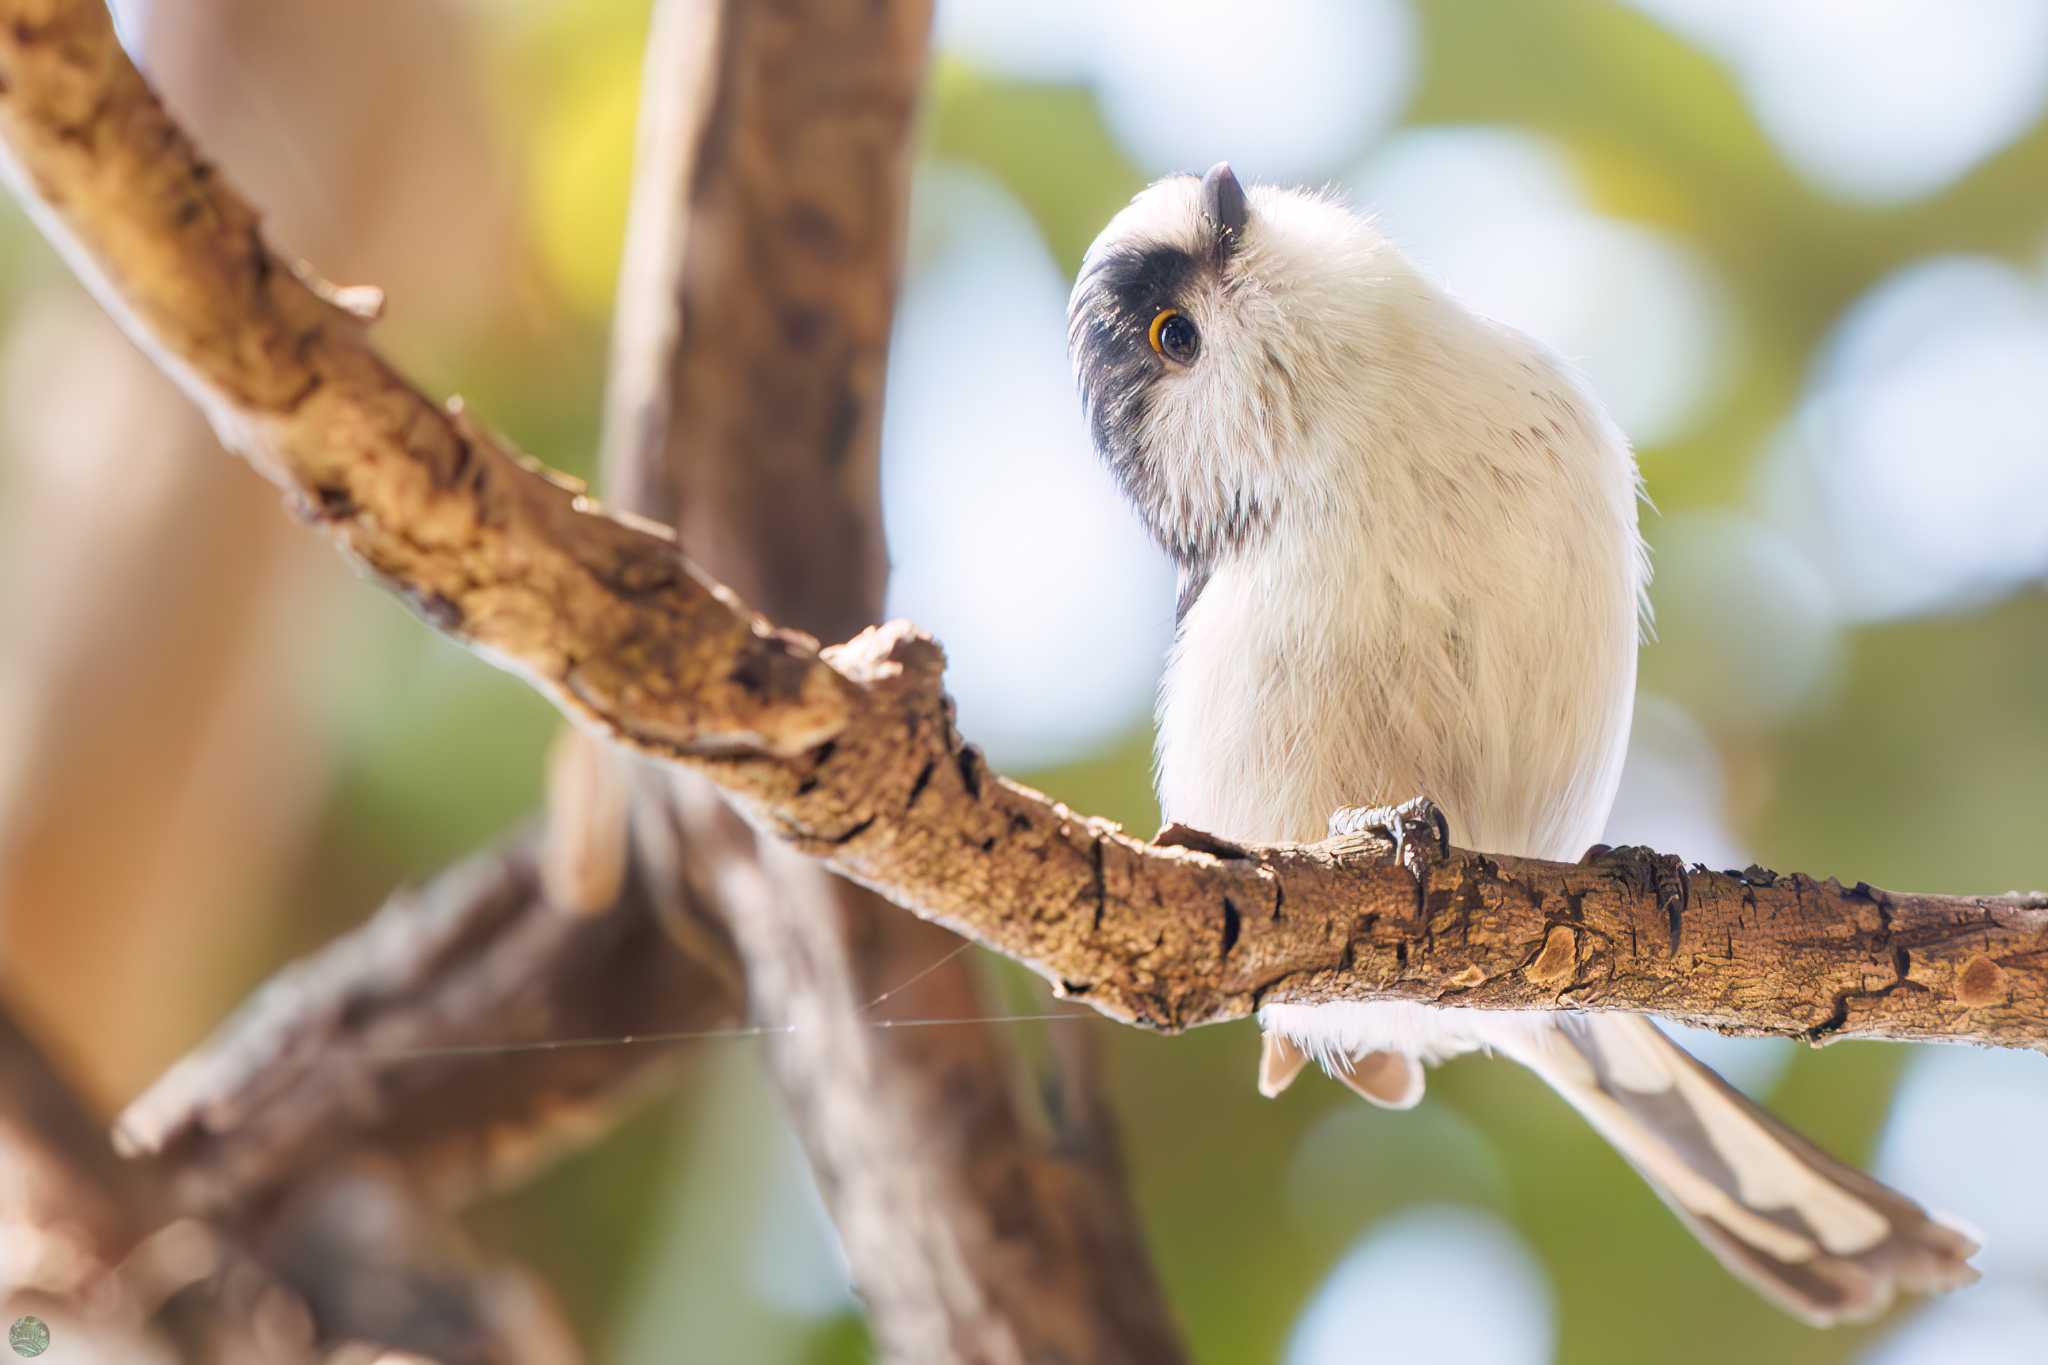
1173,335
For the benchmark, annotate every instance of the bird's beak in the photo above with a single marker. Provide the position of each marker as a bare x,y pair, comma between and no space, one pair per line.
1223,199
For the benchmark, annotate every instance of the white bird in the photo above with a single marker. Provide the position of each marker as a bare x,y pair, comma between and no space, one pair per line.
1409,565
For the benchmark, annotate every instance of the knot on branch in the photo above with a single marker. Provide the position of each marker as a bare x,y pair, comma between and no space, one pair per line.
1557,961
895,655
1980,982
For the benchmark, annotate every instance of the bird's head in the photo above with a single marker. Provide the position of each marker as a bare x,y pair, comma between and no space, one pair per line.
1223,340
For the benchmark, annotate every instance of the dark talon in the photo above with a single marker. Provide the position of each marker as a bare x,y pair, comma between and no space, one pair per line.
1662,874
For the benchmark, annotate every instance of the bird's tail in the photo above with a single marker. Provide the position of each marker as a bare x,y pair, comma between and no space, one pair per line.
1820,1238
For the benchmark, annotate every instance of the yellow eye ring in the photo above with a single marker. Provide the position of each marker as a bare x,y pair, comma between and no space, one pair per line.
1173,336
1166,315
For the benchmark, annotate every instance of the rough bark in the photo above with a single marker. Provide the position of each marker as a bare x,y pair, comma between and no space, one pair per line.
480,541
850,756
753,324
1172,937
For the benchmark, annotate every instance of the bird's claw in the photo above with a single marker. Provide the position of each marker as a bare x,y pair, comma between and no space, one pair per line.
1416,831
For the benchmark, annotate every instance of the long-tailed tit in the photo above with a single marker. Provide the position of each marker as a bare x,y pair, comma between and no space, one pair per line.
1409,565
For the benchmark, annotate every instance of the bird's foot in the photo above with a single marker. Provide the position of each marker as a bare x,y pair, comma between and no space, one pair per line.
1662,874
1416,832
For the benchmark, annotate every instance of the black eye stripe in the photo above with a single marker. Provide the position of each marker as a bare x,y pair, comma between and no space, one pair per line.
1138,281
1126,292
1108,326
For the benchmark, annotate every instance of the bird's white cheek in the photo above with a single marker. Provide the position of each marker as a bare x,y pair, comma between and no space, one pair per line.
1213,451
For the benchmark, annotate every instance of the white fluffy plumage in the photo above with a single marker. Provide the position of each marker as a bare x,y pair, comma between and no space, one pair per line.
1410,566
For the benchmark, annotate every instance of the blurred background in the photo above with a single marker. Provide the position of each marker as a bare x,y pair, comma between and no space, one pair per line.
1801,250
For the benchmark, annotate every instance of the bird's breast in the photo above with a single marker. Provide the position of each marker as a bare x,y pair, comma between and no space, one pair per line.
1347,674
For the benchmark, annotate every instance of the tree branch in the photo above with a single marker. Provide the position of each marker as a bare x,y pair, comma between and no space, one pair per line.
856,762
603,616
1175,937
440,1036
745,406
347,1255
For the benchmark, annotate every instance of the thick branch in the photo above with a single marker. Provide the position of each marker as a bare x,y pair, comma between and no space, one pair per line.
435,1052
1175,937
746,403
603,616
870,776
442,1036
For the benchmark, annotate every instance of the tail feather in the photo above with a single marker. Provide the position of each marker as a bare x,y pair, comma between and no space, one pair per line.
1820,1238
